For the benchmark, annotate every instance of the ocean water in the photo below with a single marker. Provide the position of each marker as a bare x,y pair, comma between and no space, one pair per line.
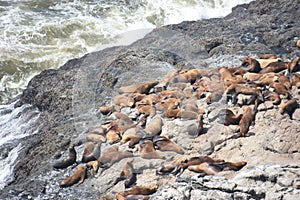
42,34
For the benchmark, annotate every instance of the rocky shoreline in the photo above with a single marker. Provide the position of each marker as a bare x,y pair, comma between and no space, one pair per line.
69,98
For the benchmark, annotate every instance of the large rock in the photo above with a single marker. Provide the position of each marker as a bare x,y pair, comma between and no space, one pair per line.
70,96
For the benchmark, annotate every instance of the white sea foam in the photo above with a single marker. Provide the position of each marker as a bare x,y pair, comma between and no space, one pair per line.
37,35
15,125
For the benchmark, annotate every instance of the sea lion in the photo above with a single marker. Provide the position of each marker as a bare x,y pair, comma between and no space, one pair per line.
165,144
266,61
112,136
94,164
212,168
139,190
147,110
145,87
133,135
77,177
294,66
123,101
205,167
106,110
147,151
254,64
113,155
70,159
93,137
268,56
275,67
154,127
187,115
227,117
91,152
246,120
127,174
288,107
272,96
172,113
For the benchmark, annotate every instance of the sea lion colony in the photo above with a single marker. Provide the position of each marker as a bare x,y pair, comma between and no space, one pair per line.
136,117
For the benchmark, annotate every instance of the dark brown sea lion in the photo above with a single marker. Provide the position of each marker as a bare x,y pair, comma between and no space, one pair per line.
288,107
246,120
67,161
91,152
294,66
165,144
77,177
147,151
128,174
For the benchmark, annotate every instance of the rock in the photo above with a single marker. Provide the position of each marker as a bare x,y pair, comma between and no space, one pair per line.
68,97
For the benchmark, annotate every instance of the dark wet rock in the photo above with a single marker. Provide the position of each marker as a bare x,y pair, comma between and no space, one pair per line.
69,98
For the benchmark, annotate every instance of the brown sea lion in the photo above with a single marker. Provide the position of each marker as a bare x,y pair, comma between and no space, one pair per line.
123,101
288,107
154,127
94,164
113,155
70,159
295,80
128,174
77,177
165,144
212,168
275,67
145,87
147,151
272,96
254,64
112,136
246,120
91,152
106,110
294,66
147,110
133,135
251,76
139,190
227,117
265,62
93,137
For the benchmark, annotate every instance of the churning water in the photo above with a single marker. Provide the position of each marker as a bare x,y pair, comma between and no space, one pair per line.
42,34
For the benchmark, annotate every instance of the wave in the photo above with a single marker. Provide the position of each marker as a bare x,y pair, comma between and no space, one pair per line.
43,34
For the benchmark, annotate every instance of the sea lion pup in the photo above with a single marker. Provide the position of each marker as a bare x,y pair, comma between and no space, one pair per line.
77,177
212,168
245,122
113,155
288,107
106,110
154,127
139,190
123,101
67,161
127,174
227,117
91,152
254,64
165,144
147,151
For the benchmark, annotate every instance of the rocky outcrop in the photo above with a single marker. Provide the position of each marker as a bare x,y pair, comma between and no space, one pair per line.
69,99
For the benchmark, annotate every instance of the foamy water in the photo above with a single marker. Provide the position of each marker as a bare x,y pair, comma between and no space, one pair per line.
15,125
42,34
